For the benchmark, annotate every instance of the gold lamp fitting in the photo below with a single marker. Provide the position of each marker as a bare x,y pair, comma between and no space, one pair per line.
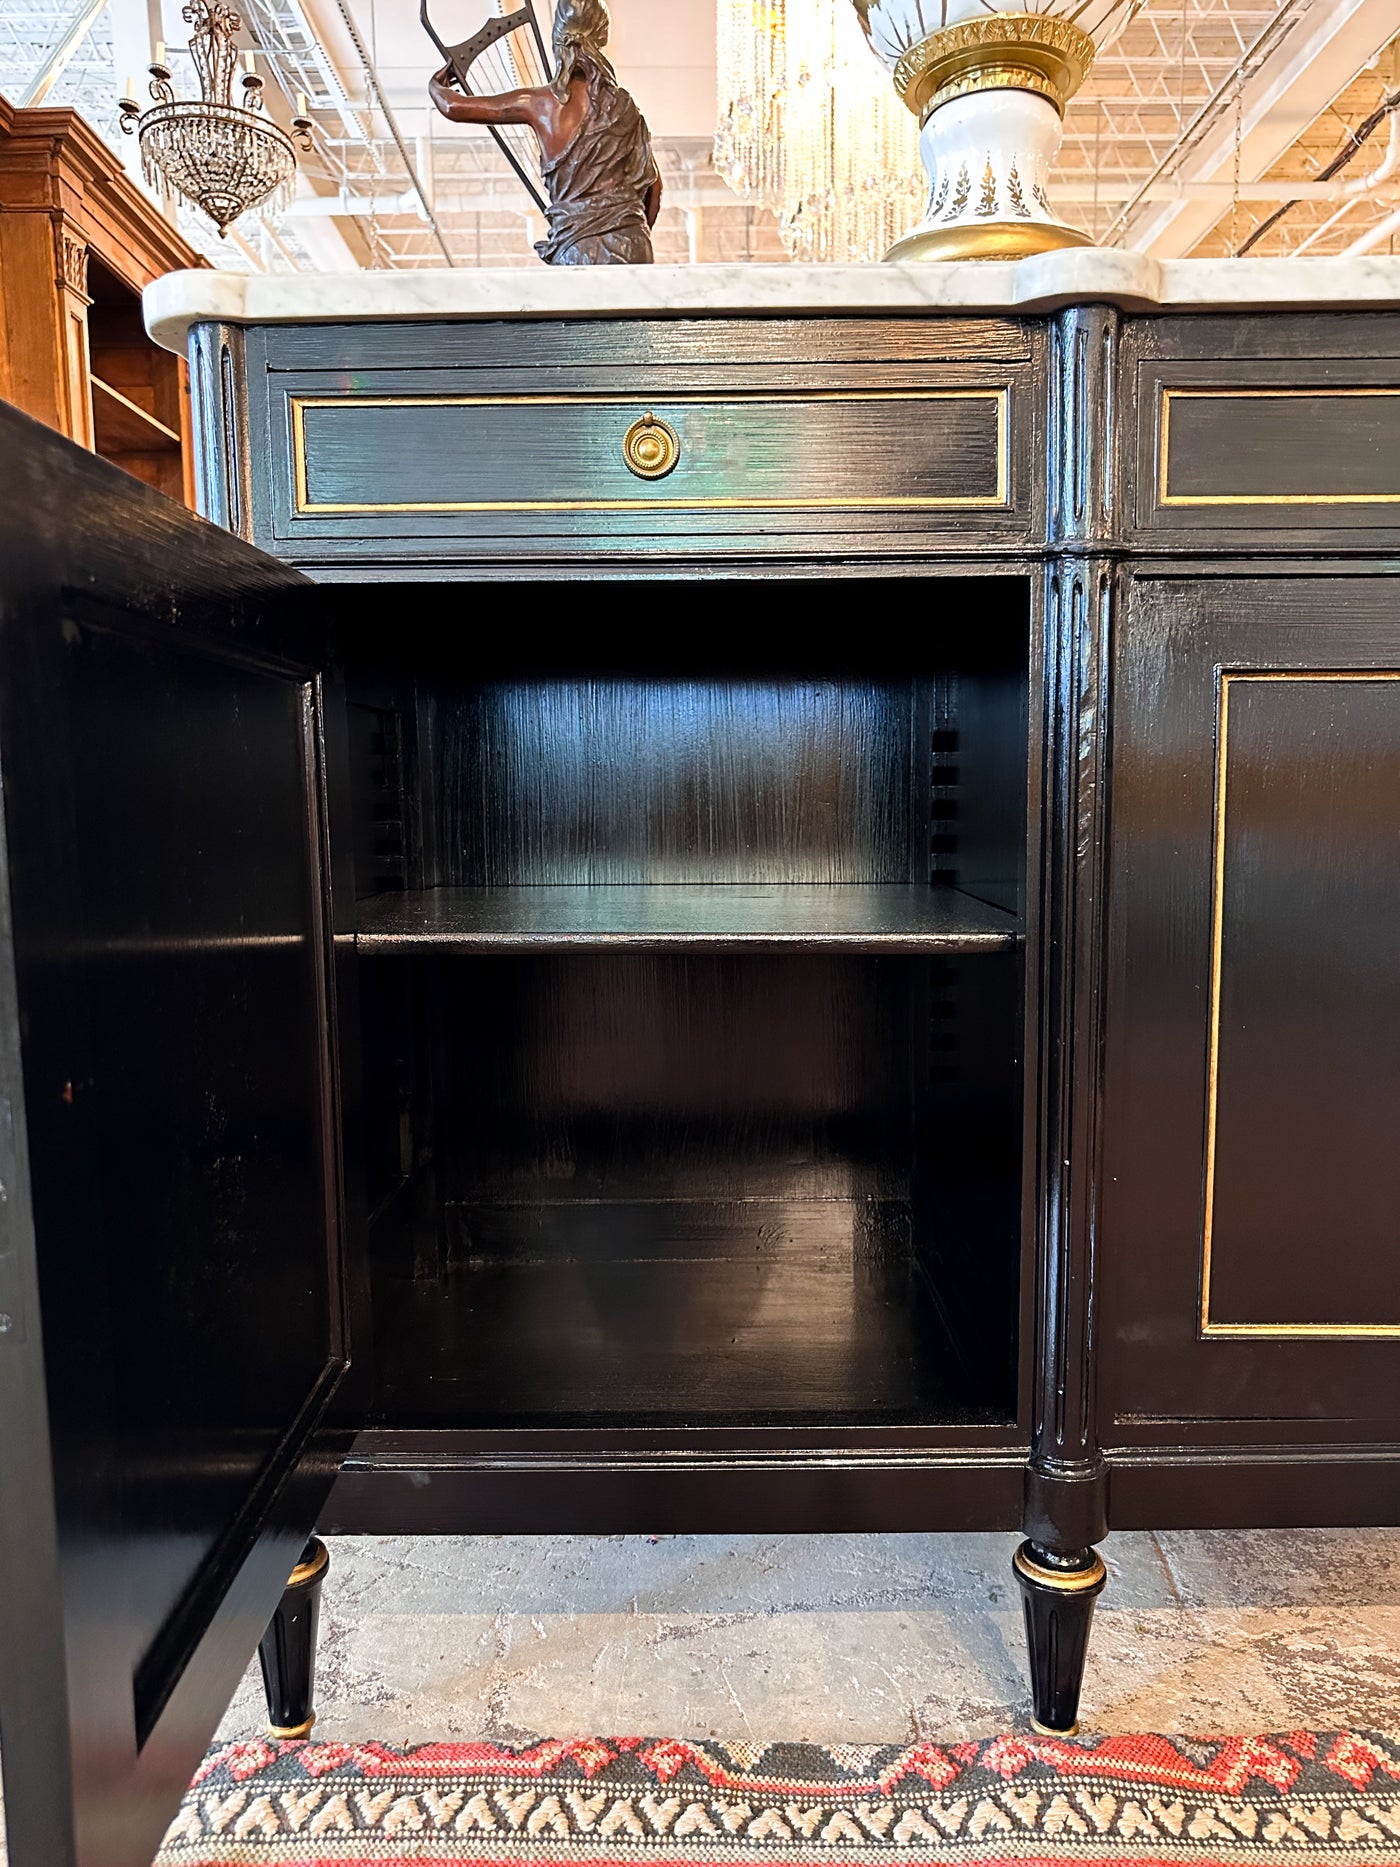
1004,52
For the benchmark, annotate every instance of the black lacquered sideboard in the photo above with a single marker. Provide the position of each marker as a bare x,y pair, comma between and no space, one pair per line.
719,917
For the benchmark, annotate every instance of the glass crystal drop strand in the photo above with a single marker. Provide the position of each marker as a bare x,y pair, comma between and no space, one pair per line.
751,43
1239,138
851,183
810,127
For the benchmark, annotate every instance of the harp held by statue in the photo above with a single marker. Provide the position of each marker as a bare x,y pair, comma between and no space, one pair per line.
509,53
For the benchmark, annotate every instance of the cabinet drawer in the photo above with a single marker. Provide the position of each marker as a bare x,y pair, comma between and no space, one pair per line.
1277,447
443,445
1301,435
922,450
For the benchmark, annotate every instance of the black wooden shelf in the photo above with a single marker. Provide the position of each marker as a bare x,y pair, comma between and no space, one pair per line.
710,917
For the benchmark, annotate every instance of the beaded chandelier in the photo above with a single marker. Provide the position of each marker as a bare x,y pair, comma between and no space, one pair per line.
225,157
809,127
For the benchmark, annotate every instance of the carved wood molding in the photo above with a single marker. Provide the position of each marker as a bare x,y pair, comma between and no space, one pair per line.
72,256
54,162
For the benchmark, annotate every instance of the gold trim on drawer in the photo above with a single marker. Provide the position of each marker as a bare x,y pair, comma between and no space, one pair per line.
1000,500
1336,1332
1167,498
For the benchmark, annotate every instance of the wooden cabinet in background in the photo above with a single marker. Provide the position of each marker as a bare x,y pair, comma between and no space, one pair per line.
78,242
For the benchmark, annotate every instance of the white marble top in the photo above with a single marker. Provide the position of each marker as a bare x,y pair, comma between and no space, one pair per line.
1074,275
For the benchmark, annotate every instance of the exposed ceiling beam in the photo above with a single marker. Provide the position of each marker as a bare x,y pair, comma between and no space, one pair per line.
1331,44
79,25
376,91
331,244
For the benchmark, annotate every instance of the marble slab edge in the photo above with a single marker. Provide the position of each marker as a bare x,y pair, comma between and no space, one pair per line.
1048,282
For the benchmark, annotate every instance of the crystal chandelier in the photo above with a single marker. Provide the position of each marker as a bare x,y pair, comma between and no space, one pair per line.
225,157
809,127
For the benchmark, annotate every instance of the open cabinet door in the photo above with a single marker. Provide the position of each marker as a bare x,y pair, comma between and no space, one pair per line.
173,1294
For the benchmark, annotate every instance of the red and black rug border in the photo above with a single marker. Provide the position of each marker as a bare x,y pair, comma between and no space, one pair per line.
1305,1797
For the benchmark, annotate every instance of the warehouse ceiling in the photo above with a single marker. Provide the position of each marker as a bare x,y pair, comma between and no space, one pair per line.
1209,126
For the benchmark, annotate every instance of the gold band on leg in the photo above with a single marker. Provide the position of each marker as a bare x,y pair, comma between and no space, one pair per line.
291,1732
1068,1581
308,1571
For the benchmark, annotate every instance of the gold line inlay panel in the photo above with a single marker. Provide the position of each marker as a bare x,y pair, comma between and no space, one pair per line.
998,500
1277,1330
1165,497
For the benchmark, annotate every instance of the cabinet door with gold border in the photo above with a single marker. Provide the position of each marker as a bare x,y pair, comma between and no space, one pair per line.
176,1255
1251,1216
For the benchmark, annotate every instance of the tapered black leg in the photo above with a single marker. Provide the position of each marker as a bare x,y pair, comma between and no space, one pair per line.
1058,1593
288,1648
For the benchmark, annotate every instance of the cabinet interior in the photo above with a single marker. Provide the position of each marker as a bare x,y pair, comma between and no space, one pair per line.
136,387
691,981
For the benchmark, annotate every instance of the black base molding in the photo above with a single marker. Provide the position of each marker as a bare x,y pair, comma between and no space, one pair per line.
1253,1488
384,1490
446,1484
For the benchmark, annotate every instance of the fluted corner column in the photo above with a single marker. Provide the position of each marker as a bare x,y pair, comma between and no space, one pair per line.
1065,1515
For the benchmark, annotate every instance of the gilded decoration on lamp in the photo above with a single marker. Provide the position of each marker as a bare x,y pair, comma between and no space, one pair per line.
989,87
1008,51
226,158
893,26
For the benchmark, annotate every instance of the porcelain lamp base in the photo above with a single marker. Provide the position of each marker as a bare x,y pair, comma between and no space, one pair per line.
988,156
990,93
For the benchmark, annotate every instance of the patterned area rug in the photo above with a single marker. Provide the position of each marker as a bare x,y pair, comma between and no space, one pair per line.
1302,1798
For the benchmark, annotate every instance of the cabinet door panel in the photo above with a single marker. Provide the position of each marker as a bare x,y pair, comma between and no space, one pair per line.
1303,1106
1252,1188
171,1239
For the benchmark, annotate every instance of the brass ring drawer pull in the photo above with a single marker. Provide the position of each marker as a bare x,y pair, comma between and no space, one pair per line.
651,448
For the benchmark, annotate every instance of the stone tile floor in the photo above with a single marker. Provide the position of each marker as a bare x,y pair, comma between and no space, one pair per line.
863,1638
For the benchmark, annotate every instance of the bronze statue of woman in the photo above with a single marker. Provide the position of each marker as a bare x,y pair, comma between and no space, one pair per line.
603,183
